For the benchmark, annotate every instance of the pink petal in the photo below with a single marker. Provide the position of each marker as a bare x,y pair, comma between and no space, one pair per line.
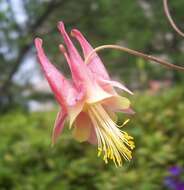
95,64
59,125
81,91
63,90
116,84
80,73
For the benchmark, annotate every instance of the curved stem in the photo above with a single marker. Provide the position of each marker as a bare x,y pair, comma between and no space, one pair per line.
136,53
168,15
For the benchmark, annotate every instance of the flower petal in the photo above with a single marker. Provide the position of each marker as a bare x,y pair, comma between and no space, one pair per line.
93,91
80,91
92,137
96,94
116,84
95,64
80,73
58,83
82,127
74,111
116,103
59,125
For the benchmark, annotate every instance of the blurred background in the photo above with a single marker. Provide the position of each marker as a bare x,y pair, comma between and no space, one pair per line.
28,110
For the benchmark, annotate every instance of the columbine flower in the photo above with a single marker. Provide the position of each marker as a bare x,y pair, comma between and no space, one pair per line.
89,102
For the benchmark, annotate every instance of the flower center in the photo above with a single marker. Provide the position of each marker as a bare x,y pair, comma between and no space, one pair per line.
112,142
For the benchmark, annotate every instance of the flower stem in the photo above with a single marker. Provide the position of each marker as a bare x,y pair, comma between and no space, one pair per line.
136,53
168,16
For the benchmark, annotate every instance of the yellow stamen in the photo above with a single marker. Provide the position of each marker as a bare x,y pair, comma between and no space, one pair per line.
112,142
124,123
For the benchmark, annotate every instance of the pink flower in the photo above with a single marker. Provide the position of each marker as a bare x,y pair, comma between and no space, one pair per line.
90,101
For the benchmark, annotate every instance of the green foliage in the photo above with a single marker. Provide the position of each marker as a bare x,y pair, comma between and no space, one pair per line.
28,162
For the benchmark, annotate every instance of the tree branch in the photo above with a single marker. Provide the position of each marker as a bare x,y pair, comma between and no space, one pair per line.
52,5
